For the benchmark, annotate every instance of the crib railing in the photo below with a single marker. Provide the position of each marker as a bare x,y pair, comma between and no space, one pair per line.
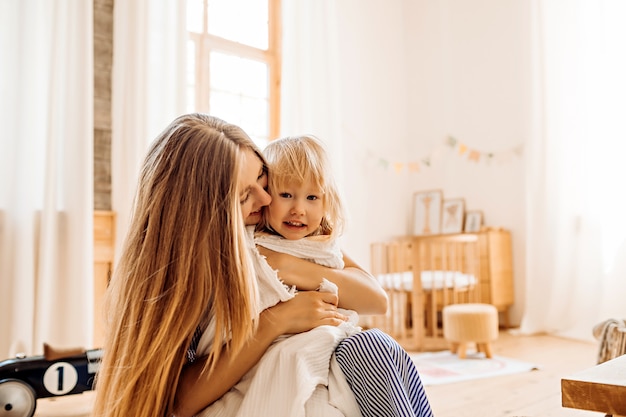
421,275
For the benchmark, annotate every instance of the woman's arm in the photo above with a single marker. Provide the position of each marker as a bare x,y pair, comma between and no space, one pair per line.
358,289
307,310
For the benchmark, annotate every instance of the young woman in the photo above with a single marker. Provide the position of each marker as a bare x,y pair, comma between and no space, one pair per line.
185,264
185,267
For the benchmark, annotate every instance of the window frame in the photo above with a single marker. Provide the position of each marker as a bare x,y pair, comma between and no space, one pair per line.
206,43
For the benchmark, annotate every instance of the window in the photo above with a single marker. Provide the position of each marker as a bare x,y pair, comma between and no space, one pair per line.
234,63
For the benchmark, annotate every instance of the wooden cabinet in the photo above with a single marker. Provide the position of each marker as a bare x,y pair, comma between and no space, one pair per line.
496,276
104,244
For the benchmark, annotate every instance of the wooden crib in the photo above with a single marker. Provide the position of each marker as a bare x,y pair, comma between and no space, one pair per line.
421,275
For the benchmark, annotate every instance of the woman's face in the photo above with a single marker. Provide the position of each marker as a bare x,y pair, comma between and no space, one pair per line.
252,183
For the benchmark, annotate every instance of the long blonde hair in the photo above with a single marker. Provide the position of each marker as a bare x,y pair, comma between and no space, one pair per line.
296,160
184,260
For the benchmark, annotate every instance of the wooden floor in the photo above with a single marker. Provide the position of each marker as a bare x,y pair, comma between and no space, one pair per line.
78,405
535,393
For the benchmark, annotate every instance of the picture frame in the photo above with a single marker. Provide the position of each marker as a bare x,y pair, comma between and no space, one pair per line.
427,212
473,221
453,211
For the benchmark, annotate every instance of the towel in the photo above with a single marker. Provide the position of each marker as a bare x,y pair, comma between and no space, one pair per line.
612,336
323,250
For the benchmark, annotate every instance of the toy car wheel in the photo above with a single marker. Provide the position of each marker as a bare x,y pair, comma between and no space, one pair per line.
17,399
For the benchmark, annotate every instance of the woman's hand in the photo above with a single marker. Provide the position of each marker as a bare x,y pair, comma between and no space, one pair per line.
307,310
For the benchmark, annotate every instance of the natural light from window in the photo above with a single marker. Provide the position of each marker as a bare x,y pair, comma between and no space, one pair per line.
243,21
239,92
231,63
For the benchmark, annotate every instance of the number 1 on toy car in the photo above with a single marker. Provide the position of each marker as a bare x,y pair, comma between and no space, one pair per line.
60,378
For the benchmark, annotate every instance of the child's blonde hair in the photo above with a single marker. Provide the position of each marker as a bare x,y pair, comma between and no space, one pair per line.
297,159
184,259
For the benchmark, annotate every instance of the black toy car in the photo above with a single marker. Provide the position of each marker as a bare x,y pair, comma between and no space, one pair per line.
25,379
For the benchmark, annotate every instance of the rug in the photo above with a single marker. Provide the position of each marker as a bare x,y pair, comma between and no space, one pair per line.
444,367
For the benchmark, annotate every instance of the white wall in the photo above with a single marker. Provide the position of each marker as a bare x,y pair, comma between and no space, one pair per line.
414,72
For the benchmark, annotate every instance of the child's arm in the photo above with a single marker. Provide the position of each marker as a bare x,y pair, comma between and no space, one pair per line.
358,289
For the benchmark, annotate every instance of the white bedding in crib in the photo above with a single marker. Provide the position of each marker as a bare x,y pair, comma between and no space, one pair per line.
430,280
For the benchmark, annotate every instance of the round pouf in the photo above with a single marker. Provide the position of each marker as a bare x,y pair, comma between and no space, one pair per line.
470,323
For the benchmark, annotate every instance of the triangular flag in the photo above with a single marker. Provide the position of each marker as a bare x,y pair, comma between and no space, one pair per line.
384,163
462,149
398,166
414,167
474,155
451,142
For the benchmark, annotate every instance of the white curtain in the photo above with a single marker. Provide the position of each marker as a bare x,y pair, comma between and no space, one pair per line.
345,79
576,223
46,174
148,89
310,85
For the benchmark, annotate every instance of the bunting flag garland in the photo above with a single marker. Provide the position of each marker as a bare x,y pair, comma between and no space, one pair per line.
460,149
474,155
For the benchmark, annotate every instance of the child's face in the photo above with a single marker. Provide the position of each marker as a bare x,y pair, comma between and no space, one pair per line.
296,210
